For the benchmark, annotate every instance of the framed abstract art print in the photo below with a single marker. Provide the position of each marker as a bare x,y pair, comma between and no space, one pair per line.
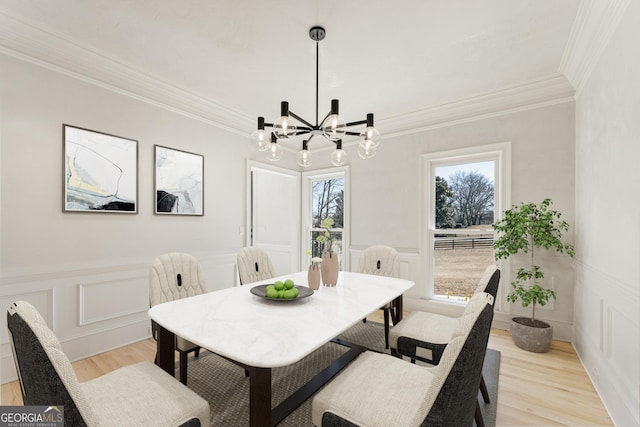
179,185
100,172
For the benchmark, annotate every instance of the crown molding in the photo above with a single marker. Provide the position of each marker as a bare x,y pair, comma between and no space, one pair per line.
47,48
44,47
595,23
549,90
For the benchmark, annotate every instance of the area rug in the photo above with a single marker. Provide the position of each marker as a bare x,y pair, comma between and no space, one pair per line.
225,386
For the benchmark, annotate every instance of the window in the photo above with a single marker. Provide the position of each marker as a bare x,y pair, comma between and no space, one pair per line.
325,210
465,191
463,236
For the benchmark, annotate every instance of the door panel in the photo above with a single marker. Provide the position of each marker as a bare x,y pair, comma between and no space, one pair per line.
275,216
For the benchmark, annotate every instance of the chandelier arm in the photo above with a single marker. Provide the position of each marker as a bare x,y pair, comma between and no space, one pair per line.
300,119
359,122
352,133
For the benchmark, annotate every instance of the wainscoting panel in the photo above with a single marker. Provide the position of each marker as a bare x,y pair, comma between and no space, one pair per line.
93,309
220,270
607,327
97,302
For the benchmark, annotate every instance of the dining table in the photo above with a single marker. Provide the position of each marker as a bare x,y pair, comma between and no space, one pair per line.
259,333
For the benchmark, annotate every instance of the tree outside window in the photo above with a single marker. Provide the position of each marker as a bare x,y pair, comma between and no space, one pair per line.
464,205
328,203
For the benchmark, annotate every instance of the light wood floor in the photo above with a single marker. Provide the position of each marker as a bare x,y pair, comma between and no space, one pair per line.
550,389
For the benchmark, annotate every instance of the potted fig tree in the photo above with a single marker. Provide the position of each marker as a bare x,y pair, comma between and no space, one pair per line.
528,228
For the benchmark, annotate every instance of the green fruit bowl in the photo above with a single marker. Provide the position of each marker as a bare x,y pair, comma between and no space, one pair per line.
261,291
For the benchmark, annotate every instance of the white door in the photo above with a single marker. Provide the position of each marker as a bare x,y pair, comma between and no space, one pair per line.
274,215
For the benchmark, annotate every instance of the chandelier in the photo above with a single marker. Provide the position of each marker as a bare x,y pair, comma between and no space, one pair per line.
332,127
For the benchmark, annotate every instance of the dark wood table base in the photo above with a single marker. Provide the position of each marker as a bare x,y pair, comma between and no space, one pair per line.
260,412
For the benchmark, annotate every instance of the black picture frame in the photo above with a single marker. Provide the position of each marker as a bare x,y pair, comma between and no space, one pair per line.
178,182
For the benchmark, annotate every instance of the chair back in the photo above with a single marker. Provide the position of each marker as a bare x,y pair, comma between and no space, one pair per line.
254,265
45,372
380,260
173,276
456,401
489,281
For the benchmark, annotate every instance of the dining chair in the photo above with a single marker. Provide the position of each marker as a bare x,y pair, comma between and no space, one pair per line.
139,394
173,276
378,389
254,265
424,336
382,260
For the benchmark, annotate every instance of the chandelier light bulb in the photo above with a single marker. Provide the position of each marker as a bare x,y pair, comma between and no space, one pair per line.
366,150
274,152
304,156
260,137
338,156
370,136
334,127
284,128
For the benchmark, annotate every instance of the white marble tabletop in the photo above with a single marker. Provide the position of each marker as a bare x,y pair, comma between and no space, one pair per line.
257,332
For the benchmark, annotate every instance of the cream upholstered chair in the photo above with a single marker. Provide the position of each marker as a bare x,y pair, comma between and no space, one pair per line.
173,276
254,265
141,394
424,336
382,261
378,389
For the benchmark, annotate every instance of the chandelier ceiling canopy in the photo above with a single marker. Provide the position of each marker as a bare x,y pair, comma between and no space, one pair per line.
332,127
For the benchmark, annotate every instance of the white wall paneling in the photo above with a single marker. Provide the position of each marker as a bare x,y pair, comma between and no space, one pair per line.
607,292
92,310
606,338
133,298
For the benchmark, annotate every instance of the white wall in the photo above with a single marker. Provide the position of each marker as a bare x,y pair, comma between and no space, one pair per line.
607,295
87,273
386,193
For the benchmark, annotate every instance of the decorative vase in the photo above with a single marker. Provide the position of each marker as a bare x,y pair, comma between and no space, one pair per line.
313,276
329,268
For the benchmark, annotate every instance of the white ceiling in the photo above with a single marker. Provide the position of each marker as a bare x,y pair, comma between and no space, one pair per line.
411,62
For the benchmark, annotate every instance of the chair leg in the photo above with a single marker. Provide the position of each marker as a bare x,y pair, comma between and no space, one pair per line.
386,327
483,390
478,416
183,367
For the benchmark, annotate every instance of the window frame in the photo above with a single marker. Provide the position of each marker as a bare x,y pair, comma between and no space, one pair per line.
307,208
500,153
